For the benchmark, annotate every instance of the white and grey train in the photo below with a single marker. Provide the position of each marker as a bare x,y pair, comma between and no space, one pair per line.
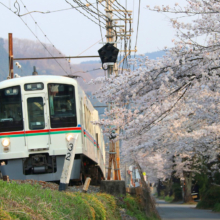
38,114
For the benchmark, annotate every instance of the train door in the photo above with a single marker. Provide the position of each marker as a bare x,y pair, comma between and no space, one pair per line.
36,132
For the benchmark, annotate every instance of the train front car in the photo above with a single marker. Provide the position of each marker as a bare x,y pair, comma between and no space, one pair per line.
37,114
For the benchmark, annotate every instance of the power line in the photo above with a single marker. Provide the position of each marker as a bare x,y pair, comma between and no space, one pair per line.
90,47
98,12
48,12
36,38
99,18
117,10
88,11
84,14
5,6
112,11
87,71
42,31
43,45
121,6
139,9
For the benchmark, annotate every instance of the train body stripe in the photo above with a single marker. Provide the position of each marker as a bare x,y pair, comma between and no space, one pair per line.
40,132
12,136
12,133
89,136
65,129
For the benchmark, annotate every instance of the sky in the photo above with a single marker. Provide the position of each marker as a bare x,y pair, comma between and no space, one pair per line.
72,33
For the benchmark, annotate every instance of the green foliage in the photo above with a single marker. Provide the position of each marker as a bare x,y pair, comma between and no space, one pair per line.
4,215
203,182
27,201
110,203
169,198
216,207
134,207
210,198
177,191
217,177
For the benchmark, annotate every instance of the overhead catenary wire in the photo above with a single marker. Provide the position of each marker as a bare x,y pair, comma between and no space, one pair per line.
84,7
118,10
116,6
43,32
121,5
87,8
112,11
85,15
48,12
36,38
98,11
43,45
89,11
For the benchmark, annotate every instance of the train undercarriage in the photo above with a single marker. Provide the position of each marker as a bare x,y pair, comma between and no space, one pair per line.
49,168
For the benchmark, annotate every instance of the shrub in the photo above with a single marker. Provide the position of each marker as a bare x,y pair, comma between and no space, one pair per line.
210,198
216,207
177,191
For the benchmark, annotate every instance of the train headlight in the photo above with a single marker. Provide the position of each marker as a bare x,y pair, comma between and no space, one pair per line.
69,137
5,142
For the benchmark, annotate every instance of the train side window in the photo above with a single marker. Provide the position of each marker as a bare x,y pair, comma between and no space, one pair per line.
11,117
36,113
62,105
81,119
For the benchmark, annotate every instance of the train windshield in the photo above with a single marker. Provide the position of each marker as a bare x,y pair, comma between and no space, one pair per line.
11,109
62,105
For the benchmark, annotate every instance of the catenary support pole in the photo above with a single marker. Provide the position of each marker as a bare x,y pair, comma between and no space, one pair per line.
109,36
10,50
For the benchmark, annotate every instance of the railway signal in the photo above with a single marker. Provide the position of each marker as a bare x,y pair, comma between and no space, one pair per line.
112,135
108,53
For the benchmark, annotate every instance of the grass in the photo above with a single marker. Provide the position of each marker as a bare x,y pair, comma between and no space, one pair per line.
26,201
134,207
169,198
166,198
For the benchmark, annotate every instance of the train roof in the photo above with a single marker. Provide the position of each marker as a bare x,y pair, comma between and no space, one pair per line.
38,78
45,79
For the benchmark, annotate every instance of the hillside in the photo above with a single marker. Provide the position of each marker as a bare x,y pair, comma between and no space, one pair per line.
29,48
41,200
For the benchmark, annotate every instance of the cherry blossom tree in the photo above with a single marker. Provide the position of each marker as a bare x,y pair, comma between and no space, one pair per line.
168,108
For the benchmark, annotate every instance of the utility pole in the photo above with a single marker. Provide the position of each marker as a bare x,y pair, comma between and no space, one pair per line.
123,34
10,51
109,37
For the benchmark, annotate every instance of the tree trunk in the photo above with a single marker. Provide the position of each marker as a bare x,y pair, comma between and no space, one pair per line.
158,189
187,187
149,202
168,189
